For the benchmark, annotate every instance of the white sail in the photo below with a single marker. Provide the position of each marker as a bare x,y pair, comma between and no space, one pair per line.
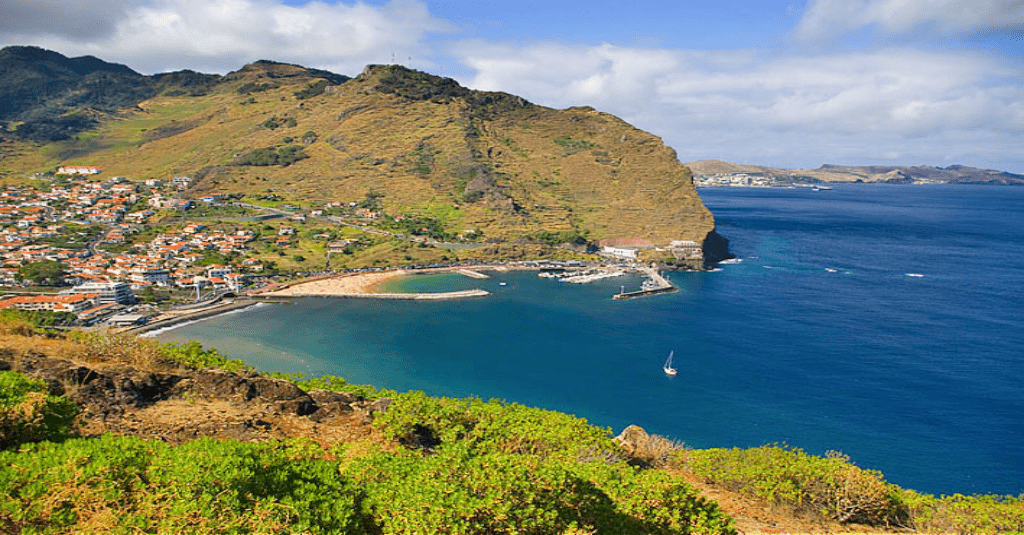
669,370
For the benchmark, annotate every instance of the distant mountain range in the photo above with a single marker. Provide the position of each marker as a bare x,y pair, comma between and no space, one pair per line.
954,174
50,97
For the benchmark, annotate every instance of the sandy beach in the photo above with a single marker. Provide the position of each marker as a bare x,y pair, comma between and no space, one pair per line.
353,283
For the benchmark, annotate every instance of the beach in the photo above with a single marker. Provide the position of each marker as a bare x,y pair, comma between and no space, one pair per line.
348,284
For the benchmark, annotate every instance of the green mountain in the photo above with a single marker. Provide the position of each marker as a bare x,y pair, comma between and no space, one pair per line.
417,145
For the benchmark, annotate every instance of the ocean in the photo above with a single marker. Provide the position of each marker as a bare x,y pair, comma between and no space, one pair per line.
881,321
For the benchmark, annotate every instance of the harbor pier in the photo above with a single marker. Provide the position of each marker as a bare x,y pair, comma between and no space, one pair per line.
656,284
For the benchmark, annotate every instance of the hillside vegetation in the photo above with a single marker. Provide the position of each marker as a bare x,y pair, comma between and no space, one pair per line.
116,434
421,145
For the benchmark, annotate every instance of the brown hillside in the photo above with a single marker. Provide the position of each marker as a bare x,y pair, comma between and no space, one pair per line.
473,160
716,167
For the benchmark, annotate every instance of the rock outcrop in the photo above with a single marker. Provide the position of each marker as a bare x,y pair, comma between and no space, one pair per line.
181,404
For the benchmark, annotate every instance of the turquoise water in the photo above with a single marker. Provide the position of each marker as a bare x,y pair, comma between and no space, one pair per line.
882,321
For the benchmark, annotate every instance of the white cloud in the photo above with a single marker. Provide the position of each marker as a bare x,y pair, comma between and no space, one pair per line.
825,20
221,35
81,19
781,108
794,109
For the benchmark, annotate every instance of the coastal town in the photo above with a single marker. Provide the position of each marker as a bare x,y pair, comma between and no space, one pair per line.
111,251
756,180
91,239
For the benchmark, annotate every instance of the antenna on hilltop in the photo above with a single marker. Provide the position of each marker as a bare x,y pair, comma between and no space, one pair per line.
392,57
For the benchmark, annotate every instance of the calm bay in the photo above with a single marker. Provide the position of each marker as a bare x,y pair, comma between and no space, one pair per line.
879,320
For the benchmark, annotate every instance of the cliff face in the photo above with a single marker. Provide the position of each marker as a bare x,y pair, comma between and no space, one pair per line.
486,161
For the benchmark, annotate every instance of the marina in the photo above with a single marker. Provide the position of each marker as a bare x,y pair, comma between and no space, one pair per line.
655,284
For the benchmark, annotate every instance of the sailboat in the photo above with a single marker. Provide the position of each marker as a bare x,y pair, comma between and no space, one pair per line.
667,368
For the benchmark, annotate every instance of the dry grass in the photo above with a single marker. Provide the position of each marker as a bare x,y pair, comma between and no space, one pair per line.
129,349
653,451
657,451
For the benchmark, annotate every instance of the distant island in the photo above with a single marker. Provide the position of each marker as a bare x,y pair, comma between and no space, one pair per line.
715,173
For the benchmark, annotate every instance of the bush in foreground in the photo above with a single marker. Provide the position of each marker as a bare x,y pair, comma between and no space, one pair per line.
834,488
965,514
830,486
122,484
28,414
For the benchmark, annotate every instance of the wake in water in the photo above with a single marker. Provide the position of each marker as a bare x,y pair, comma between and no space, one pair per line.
156,332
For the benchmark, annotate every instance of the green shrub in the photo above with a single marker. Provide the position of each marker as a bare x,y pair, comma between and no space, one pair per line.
460,491
571,146
192,354
51,486
652,501
830,486
965,514
493,426
28,414
316,88
236,487
332,382
252,87
283,156
121,484
555,238
37,318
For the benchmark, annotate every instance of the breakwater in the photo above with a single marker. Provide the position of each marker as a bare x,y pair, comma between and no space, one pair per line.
434,296
656,284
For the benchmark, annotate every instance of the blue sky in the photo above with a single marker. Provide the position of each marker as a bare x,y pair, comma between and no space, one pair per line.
790,84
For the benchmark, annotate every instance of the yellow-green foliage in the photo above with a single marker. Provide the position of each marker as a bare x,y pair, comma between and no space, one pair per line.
28,414
122,484
830,485
459,491
837,489
505,468
192,354
965,514
493,426
332,382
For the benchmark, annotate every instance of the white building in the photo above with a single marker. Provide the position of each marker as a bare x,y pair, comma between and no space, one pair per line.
218,271
78,170
158,276
108,292
619,252
683,249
